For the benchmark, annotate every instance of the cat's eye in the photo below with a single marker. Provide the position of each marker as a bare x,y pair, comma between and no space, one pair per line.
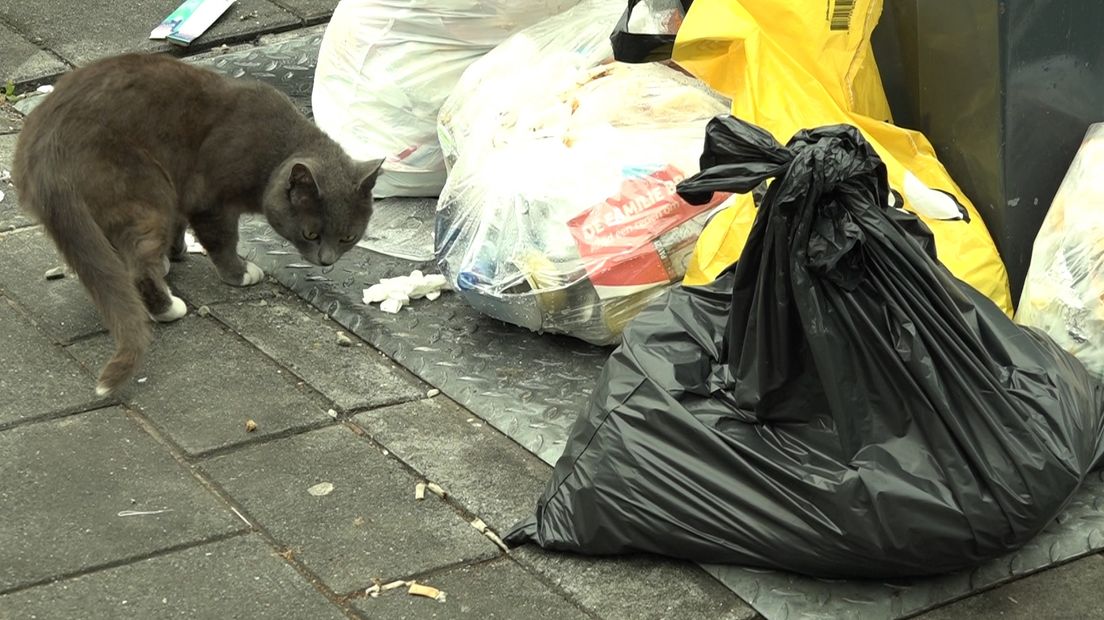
348,239
310,236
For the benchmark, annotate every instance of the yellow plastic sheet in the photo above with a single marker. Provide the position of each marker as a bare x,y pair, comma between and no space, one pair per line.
795,64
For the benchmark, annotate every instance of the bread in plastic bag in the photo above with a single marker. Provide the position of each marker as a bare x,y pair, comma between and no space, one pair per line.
1064,291
560,212
386,66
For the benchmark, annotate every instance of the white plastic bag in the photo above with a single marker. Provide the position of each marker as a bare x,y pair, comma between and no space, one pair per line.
560,212
1064,291
386,66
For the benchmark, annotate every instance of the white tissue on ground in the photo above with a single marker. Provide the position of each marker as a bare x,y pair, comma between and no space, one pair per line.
393,293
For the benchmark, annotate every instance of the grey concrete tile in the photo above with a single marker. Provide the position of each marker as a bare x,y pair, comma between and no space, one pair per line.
237,578
82,32
637,587
61,308
311,10
299,34
305,341
199,384
63,484
1069,591
10,214
195,281
22,61
499,589
38,378
11,121
368,527
481,468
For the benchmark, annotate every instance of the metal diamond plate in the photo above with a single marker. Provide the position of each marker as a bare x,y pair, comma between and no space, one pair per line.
288,65
532,387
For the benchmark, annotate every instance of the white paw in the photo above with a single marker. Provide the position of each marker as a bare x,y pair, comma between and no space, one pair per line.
177,310
102,390
253,274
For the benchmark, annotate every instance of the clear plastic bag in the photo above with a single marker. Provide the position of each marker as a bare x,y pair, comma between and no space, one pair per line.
560,212
1064,291
386,66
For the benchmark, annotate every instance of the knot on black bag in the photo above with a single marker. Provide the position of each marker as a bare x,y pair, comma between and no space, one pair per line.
823,192
824,181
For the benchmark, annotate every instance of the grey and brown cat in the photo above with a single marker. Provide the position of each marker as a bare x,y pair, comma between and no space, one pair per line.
126,153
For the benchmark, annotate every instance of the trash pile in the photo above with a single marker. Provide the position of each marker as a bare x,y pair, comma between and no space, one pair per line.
837,388
836,404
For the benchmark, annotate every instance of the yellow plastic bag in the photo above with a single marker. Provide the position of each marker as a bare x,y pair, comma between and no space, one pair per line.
795,64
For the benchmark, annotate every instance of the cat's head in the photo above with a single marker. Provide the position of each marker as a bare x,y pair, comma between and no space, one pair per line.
321,205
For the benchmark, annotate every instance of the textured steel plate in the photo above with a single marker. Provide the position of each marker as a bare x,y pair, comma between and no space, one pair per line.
532,387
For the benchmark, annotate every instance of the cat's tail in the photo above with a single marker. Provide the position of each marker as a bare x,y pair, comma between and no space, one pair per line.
106,277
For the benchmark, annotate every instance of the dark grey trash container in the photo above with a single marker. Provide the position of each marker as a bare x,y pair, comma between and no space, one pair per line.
1005,92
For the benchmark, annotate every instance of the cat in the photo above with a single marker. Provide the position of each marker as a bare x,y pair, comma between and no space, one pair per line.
127,152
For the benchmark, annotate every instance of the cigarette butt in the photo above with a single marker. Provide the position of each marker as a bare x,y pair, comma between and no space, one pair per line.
496,540
479,525
395,584
436,490
419,491
417,589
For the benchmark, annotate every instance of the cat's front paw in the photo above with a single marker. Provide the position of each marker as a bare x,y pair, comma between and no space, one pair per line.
252,275
177,309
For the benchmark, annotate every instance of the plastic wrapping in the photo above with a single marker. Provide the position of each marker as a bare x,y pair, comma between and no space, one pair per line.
835,404
560,213
386,66
1064,291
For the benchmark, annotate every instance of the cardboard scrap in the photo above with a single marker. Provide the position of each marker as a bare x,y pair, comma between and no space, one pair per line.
190,20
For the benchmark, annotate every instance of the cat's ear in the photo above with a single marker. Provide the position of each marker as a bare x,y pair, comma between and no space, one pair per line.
370,170
302,178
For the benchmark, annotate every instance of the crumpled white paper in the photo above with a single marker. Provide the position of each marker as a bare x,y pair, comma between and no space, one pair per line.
393,293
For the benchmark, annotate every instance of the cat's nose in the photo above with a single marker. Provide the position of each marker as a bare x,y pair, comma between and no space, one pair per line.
327,257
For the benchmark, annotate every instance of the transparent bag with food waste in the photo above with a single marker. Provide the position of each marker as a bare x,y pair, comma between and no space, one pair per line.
560,213
1064,291
386,66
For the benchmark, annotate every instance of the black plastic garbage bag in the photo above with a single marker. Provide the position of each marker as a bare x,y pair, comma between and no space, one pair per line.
836,404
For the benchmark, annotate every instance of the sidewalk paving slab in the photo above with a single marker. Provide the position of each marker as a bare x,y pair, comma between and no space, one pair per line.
82,32
311,10
11,216
1068,591
241,577
305,341
369,526
199,384
61,308
38,378
23,61
498,590
482,469
63,483
195,281
491,476
636,587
